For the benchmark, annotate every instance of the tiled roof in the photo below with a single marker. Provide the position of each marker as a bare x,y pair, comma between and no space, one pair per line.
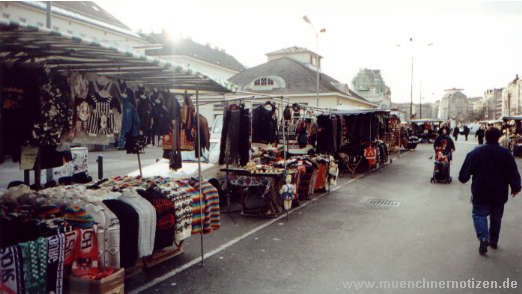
193,49
298,77
291,50
91,10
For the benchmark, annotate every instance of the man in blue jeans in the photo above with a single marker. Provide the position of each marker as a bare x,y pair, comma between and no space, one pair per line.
493,169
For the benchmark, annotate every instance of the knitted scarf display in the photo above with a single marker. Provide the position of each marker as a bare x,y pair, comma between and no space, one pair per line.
55,260
34,256
12,281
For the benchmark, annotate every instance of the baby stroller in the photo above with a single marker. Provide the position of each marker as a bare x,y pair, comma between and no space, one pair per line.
441,170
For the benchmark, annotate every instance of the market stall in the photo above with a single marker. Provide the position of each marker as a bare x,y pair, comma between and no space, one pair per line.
58,90
270,145
512,134
362,139
426,129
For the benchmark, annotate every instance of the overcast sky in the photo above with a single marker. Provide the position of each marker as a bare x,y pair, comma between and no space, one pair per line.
476,44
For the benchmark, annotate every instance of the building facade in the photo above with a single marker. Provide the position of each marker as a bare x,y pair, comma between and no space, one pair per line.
82,19
512,98
493,104
369,84
212,62
292,73
454,105
426,110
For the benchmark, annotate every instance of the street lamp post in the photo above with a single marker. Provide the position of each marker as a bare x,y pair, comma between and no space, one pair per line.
307,20
411,81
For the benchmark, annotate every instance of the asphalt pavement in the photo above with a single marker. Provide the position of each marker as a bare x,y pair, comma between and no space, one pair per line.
343,241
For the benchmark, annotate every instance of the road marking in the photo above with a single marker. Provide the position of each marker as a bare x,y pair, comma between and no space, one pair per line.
232,242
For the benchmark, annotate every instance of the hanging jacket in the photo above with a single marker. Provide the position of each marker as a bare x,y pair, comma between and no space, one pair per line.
235,136
175,160
130,119
161,119
144,108
264,126
204,135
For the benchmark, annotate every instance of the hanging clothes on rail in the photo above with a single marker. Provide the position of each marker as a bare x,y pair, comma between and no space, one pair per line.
264,125
235,136
20,106
188,125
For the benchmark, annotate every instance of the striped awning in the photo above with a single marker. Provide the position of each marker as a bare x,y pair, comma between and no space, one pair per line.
67,53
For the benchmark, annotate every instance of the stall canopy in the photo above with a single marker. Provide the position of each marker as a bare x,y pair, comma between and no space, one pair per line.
352,112
64,52
507,118
426,120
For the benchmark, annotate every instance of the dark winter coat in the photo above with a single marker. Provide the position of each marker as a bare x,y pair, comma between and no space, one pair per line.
264,127
493,169
235,136
456,131
130,120
480,133
450,144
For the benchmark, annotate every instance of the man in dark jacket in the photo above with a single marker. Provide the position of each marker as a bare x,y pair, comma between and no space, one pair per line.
444,140
466,132
480,135
456,132
493,169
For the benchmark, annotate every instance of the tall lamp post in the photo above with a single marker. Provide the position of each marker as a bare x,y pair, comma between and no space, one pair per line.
411,81
316,32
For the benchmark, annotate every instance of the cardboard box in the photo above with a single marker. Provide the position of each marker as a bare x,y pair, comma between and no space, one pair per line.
113,284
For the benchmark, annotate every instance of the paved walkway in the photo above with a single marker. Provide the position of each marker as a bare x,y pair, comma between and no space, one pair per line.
339,238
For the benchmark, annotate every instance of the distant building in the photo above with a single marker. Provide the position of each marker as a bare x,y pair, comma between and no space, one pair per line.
493,103
428,110
477,108
292,73
454,105
512,98
82,19
213,62
369,84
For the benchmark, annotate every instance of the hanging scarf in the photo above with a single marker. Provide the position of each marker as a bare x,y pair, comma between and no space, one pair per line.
34,255
11,267
55,259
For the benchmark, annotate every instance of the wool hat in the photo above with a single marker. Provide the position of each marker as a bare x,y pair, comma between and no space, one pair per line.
77,217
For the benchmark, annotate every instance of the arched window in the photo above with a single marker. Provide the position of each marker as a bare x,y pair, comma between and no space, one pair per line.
264,82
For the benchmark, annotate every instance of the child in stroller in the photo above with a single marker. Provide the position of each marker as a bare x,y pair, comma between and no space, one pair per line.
441,170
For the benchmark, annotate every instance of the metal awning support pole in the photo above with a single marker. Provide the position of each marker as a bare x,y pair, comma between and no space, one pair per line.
199,153
139,162
48,15
227,183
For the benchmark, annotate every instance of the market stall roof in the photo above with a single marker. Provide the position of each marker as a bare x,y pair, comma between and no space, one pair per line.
490,122
64,52
515,117
424,120
350,112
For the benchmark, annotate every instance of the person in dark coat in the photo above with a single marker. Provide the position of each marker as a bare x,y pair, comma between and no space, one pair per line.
480,135
456,132
466,132
444,140
494,170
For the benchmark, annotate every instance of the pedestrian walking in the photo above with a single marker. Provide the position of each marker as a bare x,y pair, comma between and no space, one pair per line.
480,135
456,133
494,170
466,132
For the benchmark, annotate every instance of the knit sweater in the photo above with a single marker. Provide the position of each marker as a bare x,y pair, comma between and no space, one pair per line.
205,209
147,223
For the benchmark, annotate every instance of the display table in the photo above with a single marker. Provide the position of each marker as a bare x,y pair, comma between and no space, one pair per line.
269,182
